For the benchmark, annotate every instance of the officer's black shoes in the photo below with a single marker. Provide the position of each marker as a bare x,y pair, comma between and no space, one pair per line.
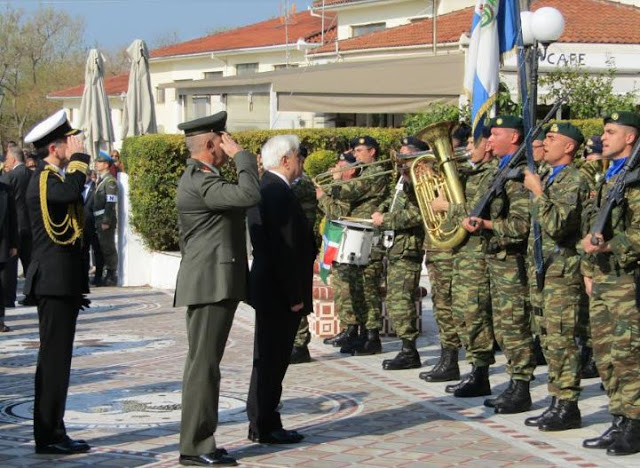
628,441
608,437
354,340
588,368
476,385
537,351
372,345
28,301
65,447
97,279
279,436
446,369
564,416
534,421
111,279
217,458
493,402
407,358
299,355
336,340
518,401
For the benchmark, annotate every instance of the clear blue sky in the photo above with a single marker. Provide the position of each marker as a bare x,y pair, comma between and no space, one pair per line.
116,23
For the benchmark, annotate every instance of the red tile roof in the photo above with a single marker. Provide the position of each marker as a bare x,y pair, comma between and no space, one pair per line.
318,3
622,26
266,33
114,86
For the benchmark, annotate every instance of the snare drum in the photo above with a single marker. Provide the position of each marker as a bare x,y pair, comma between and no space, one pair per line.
355,244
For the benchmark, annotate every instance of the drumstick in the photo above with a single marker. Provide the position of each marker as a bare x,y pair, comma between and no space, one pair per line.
356,220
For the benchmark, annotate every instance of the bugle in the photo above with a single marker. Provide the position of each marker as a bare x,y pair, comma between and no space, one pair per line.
326,180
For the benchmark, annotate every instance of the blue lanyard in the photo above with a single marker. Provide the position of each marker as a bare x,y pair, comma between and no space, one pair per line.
554,172
504,161
615,168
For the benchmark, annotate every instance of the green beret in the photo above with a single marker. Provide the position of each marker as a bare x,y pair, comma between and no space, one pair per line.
507,121
213,123
415,142
631,119
365,140
542,135
568,130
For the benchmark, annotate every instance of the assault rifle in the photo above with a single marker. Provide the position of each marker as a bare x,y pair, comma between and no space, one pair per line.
629,174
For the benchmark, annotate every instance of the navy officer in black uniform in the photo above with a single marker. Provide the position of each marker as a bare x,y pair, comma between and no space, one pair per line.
56,277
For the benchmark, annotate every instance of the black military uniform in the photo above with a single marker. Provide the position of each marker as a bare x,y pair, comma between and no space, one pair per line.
56,279
8,238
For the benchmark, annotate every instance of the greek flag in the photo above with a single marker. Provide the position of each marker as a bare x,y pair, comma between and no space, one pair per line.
494,31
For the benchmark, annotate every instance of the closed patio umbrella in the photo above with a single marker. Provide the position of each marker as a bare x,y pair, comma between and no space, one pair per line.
95,113
139,111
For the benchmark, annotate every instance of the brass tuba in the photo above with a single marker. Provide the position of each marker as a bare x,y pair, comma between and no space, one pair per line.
434,176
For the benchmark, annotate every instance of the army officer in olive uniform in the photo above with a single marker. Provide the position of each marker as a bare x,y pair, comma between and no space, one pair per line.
213,274
105,203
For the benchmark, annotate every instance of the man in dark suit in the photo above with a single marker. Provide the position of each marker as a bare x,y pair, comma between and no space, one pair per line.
8,238
279,285
56,278
213,274
18,177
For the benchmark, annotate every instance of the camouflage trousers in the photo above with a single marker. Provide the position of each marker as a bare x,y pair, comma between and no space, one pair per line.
356,292
440,275
615,321
561,310
584,325
303,335
511,314
403,280
472,308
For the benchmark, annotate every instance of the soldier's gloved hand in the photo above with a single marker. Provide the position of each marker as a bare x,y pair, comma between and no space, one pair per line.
84,302
85,158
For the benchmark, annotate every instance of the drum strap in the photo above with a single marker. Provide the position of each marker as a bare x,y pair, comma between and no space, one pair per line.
399,188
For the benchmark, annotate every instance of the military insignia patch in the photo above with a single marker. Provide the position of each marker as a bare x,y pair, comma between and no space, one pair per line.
589,141
362,141
112,198
405,141
499,122
554,128
615,116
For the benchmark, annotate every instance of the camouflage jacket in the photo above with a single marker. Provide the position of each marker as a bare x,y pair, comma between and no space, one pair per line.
405,220
559,213
305,192
363,194
333,209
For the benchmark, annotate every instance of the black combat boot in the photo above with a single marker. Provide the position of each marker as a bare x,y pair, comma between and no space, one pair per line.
340,338
97,278
354,339
493,402
537,351
565,416
453,387
447,369
518,402
477,384
534,421
407,358
628,442
588,369
424,374
372,345
299,355
111,279
608,437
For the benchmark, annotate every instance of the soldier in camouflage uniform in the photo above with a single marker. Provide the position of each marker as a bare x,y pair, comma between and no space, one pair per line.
305,192
470,285
400,218
342,290
558,200
505,233
105,203
614,314
364,195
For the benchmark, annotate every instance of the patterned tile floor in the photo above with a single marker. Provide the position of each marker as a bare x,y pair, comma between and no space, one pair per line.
125,400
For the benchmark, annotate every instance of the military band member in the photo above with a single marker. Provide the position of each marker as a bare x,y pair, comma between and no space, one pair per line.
105,209
505,231
400,219
364,195
614,314
471,304
213,274
343,292
558,200
56,276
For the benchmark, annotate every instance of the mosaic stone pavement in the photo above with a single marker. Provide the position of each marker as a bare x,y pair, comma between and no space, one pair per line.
125,400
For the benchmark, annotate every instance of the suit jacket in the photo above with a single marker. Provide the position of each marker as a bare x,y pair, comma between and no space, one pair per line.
19,179
55,270
8,222
283,249
211,219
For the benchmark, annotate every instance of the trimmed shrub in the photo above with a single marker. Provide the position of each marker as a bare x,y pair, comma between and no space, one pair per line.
319,161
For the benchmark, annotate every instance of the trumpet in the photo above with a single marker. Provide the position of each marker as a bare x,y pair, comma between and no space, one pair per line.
326,180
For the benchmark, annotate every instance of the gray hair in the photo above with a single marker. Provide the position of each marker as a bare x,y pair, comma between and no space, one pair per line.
277,147
16,152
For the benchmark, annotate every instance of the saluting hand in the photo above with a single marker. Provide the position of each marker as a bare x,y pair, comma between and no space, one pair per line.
229,145
74,145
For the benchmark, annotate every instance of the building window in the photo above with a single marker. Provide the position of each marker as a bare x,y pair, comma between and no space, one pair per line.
246,69
160,96
196,106
284,66
212,75
367,29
